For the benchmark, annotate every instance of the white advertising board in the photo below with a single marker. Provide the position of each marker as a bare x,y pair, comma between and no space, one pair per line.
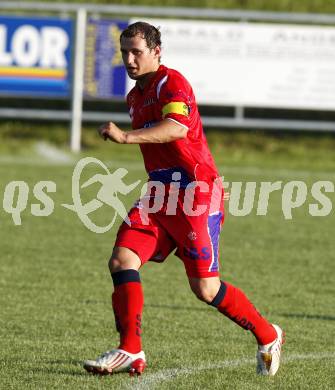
252,65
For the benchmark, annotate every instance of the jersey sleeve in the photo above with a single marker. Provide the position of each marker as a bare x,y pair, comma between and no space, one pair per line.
175,98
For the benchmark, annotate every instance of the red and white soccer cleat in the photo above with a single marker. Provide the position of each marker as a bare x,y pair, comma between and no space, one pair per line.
117,360
268,356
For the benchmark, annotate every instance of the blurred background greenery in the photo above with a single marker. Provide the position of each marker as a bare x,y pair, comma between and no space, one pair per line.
319,6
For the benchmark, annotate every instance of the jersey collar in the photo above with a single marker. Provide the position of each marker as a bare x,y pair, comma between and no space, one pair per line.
153,80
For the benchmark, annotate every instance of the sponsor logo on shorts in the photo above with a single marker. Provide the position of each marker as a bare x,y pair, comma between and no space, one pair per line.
194,253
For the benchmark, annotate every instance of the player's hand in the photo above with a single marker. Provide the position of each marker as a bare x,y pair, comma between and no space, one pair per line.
111,131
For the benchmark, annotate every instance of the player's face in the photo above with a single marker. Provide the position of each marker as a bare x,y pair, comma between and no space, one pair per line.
138,59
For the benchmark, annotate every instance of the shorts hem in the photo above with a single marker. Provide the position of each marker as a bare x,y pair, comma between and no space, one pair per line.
202,275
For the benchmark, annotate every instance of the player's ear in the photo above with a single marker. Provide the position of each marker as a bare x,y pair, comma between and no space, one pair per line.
157,51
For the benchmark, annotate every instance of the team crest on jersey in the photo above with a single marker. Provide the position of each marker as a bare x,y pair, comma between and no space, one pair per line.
192,236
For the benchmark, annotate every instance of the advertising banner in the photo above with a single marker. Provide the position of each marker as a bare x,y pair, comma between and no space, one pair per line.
105,75
35,56
255,65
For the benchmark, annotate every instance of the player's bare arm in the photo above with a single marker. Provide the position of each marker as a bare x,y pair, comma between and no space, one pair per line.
164,131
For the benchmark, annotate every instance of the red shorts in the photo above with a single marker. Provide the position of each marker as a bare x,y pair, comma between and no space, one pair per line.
195,237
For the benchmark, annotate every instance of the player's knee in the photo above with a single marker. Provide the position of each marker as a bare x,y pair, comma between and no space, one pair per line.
114,264
205,289
122,259
204,294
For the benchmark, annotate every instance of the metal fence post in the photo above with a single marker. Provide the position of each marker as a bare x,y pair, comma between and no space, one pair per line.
78,80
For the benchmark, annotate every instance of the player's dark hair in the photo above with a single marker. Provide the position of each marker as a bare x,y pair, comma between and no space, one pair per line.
150,33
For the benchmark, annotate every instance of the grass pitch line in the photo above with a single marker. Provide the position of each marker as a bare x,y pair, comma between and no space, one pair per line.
44,155
151,380
51,153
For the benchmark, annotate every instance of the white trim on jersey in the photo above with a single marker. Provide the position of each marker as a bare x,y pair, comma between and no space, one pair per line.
177,122
160,84
212,248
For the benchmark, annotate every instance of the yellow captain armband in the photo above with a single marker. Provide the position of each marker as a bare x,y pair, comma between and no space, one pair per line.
176,108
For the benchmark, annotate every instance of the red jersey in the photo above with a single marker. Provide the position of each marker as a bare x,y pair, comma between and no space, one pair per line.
169,95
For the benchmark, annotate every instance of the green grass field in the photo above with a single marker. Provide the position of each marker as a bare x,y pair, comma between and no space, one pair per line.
55,287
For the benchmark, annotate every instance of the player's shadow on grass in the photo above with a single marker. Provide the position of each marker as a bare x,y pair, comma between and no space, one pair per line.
308,316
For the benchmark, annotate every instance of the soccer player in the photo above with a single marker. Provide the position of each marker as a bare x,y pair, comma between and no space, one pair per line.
168,129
